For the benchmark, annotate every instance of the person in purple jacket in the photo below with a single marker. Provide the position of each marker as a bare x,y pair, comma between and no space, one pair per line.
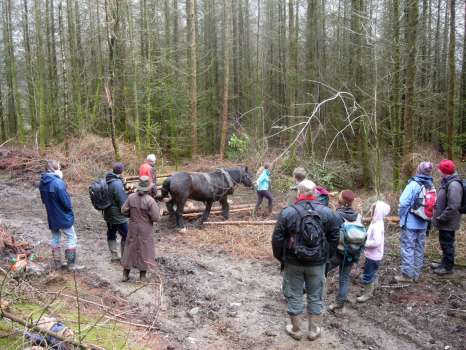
60,214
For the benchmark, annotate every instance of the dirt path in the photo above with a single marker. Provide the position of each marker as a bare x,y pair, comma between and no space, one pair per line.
213,300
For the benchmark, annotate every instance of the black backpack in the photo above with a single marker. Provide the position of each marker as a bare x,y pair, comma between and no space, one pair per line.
307,242
100,197
462,182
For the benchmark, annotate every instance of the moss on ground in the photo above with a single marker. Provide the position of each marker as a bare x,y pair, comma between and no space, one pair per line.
95,329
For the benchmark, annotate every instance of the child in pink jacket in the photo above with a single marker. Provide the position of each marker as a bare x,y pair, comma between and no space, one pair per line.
373,249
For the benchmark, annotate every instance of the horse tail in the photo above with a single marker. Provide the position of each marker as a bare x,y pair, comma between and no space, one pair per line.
166,188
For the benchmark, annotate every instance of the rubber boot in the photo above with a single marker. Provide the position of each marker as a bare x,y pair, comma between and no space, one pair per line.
335,306
293,329
367,294
269,210
314,327
56,256
112,246
70,255
122,248
142,276
126,275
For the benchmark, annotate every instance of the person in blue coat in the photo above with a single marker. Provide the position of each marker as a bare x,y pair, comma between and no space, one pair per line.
413,227
263,189
60,214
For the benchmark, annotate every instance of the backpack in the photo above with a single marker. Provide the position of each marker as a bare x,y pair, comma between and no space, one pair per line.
100,197
307,243
423,206
354,237
462,209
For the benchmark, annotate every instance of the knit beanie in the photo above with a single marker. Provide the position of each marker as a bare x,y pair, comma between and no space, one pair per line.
425,168
118,168
447,167
346,197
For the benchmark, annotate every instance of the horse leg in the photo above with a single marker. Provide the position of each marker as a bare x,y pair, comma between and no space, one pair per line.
206,213
179,215
225,208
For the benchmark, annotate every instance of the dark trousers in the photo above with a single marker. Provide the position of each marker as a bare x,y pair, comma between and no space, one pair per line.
112,230
447,243
260,197
370,271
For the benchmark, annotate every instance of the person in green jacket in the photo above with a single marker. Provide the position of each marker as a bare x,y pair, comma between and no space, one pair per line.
263,190
116,221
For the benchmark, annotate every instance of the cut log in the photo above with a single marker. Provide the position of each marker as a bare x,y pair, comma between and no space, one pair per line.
392,220
216,208
241,223
216,212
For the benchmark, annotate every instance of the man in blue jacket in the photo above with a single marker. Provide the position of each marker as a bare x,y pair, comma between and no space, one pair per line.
413,227
59,214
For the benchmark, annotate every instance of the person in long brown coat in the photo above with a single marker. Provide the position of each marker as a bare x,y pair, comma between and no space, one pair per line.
142,211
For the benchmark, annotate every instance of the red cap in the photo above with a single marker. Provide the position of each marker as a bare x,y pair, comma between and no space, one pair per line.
447,166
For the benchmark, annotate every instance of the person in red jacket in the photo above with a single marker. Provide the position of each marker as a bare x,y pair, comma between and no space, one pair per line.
148,168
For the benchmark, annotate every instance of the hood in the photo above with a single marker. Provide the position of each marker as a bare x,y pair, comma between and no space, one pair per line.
111,176
449,178
348,213
427,181
47,178
381,210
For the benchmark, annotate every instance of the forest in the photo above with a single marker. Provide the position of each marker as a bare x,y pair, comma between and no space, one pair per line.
355,80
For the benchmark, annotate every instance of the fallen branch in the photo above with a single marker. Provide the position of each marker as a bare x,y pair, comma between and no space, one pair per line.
241,223
30,325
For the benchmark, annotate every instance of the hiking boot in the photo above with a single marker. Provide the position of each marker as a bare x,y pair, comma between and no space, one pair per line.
112,246
443,271
293,329
143,276
435,265
314,327
367,294
335,306
56,257
70,255
126,275
403,279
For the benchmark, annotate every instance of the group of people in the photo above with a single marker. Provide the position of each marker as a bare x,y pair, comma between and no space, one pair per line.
310,240
132,217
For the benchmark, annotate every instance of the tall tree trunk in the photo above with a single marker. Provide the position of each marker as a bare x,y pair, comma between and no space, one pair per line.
66,117
41,77
462,101
226,74
192,14
112,18
395,97
2,117
29,69
412,19
451,81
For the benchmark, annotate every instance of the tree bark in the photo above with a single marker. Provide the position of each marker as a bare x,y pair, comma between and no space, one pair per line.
412,19
451,81
226,74
192,15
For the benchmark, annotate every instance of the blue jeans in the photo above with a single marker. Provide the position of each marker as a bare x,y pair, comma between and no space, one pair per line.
412,244
344,278
313,278
370,271
112,230
71,239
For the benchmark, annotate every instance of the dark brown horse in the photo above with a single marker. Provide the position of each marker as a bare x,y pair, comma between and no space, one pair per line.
203,187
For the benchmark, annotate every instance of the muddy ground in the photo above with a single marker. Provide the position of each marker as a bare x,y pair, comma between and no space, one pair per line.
206,297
